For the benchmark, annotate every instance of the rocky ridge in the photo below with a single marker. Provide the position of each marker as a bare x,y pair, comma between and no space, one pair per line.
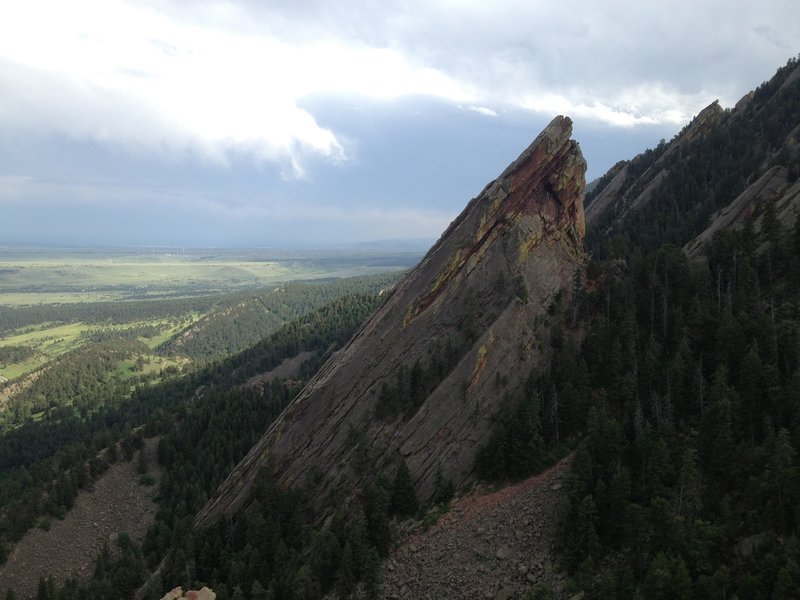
630,188
772,186
473,313
729,162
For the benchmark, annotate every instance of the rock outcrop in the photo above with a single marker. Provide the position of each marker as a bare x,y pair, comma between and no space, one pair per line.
177,594
425,376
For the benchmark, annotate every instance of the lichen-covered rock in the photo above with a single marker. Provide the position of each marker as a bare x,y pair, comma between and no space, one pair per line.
177,593
472,313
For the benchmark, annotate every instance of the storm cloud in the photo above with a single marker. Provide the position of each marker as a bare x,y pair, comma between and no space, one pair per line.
296,116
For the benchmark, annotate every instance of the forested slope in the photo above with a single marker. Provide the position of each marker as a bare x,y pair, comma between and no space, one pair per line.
687,484
670,194
209,421
244,319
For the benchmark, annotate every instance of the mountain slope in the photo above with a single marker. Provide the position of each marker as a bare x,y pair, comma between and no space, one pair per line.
425,376
720,171
687,482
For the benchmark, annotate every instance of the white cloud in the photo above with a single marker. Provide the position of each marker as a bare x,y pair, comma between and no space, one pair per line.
482,110
222,78
116,72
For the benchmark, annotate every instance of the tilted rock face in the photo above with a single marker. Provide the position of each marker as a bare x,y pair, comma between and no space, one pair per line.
482,291
774,186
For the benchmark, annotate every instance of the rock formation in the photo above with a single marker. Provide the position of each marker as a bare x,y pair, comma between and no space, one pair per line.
426,375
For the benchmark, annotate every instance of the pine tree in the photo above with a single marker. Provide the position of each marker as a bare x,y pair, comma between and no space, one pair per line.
326,552
377,507
238,594
584,541
371,576
404,497
689,499
42,593
257,591
781,475
750,373
716,431
141,465
443,489
304,585
353,555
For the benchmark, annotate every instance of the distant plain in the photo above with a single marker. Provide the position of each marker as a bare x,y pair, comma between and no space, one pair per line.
67,275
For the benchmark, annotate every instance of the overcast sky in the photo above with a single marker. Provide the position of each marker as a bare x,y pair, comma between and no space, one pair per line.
251,123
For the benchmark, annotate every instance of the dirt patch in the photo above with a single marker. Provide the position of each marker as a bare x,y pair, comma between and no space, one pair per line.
289,367
17,386
500,545
118,503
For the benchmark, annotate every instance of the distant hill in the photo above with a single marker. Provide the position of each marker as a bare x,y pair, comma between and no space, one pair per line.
246,318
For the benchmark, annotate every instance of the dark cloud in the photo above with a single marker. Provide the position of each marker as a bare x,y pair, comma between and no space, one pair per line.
245,122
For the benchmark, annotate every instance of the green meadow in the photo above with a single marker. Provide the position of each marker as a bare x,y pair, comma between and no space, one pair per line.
48,341
35,279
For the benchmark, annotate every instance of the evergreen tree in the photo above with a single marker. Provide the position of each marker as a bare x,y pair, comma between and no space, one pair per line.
782,480
377,506
141,464
304,585
238,594
404,497
584,541
257,591
443,489
42,592
371,576
667,579
716,435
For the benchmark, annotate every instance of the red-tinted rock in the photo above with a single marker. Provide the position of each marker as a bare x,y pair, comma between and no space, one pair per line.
484,288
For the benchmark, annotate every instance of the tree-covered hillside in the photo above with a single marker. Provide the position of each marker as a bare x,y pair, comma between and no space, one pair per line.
244,319
209,420
680,185
684,394
688,483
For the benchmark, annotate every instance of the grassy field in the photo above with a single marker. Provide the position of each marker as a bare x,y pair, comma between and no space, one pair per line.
50,341
66,276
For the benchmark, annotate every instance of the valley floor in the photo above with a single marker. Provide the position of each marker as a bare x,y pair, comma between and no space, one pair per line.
499,545
118,503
